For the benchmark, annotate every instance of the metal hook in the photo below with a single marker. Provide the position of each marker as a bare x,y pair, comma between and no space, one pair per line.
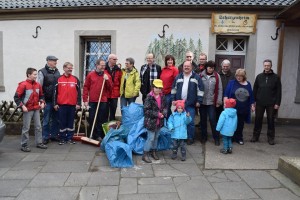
276,35
36,32
162,36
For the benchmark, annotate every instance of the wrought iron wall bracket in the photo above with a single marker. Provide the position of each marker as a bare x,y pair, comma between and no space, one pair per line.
162,36
36,32
276,35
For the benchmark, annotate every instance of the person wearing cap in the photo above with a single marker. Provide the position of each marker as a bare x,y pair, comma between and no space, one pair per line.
188,86
227,125
47,78
155,110
177,123
241,90
212,98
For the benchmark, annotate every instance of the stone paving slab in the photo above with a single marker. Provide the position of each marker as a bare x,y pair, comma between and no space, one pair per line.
104,179
51,157
78,179
21,174
80,156
12,188
32,157
155,181
128,186
90,193
27,165
234,190
156,189
11,159
138,171
50,193
67,166
162,196
108,193
276,194
49,180
258,179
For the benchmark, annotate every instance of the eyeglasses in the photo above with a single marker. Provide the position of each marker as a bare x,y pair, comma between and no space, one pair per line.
188,56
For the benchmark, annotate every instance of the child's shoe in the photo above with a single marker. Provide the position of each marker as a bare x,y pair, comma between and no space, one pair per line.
71,142
229,150
41,146
25,148
183,157
224,151
174,155
61,142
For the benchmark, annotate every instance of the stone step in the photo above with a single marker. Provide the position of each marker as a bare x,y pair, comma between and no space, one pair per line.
290,166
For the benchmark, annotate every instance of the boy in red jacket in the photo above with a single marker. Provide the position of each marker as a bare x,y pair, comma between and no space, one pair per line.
67,98
29,96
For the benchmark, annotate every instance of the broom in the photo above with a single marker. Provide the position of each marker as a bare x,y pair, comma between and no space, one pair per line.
78,135
90,140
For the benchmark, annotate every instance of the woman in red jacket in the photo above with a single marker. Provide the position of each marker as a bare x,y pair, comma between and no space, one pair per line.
168,75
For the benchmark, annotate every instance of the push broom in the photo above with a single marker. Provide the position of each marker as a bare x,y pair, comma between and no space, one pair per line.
78,135
90,140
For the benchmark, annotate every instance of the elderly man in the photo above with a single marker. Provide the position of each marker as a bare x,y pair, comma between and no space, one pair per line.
47,78
149,72
188,86
202,61
226,76
189,56
116,75
267,96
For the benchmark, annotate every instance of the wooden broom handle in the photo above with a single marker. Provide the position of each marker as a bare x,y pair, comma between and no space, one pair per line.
79,122
97,107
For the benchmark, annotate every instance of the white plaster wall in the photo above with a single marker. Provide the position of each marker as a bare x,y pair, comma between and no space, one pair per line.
56,37
266,47
288,108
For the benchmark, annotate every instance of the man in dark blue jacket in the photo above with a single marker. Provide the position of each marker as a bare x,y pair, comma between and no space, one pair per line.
267,96
188,86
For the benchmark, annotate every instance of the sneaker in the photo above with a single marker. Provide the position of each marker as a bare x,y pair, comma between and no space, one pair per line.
41,146
71,142
224,151
25,148
183,158
229,150
240,142
61,142
174,155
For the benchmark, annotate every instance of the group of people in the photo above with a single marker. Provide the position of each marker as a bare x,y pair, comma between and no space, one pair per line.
190,87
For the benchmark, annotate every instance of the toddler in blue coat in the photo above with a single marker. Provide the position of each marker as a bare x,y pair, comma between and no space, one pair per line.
227,125
178,122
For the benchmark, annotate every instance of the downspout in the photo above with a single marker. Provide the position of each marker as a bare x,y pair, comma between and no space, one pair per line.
280,49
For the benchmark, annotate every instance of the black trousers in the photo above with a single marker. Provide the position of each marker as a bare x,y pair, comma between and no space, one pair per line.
112,105
259,114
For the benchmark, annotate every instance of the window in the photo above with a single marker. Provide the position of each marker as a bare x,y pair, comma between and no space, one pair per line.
231,45
95,48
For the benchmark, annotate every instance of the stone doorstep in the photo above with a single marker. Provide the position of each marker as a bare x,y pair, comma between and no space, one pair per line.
290,166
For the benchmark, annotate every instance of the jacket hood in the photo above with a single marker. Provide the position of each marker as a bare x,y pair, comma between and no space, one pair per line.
231,112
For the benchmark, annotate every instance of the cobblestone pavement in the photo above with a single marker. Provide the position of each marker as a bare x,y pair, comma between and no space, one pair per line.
81,171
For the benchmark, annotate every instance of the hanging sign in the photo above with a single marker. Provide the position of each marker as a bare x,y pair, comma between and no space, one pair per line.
233,23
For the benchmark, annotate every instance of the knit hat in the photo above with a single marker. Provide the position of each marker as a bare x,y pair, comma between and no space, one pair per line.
179,103
158,83
230,103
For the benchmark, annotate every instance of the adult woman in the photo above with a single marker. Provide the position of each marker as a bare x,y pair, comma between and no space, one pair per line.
212,98
155,110
168,75
130,83
241,90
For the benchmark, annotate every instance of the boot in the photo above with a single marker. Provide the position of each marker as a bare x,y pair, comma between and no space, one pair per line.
154,155
146,157
174,155
254,139
183,154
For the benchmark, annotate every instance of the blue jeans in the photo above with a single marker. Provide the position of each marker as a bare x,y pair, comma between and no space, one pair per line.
152,139
191,125
169,104
50,122
179,143
66,122
127,101
227,142
102,116
210,111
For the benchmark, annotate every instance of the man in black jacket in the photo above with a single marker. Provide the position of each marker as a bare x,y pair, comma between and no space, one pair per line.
267,96
149,72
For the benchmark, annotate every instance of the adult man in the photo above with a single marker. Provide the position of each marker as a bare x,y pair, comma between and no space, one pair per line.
116,75
226,76
189,56
148,73
67,98
267,96
202,61
47,77
188,86
91,93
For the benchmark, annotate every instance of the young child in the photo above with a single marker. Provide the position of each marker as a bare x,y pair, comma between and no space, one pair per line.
227,125
30,98
155,110
178,122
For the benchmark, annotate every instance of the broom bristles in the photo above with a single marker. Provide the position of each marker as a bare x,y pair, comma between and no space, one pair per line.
90,141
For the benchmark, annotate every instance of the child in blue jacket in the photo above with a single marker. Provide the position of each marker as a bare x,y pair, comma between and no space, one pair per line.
178,122
227,125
